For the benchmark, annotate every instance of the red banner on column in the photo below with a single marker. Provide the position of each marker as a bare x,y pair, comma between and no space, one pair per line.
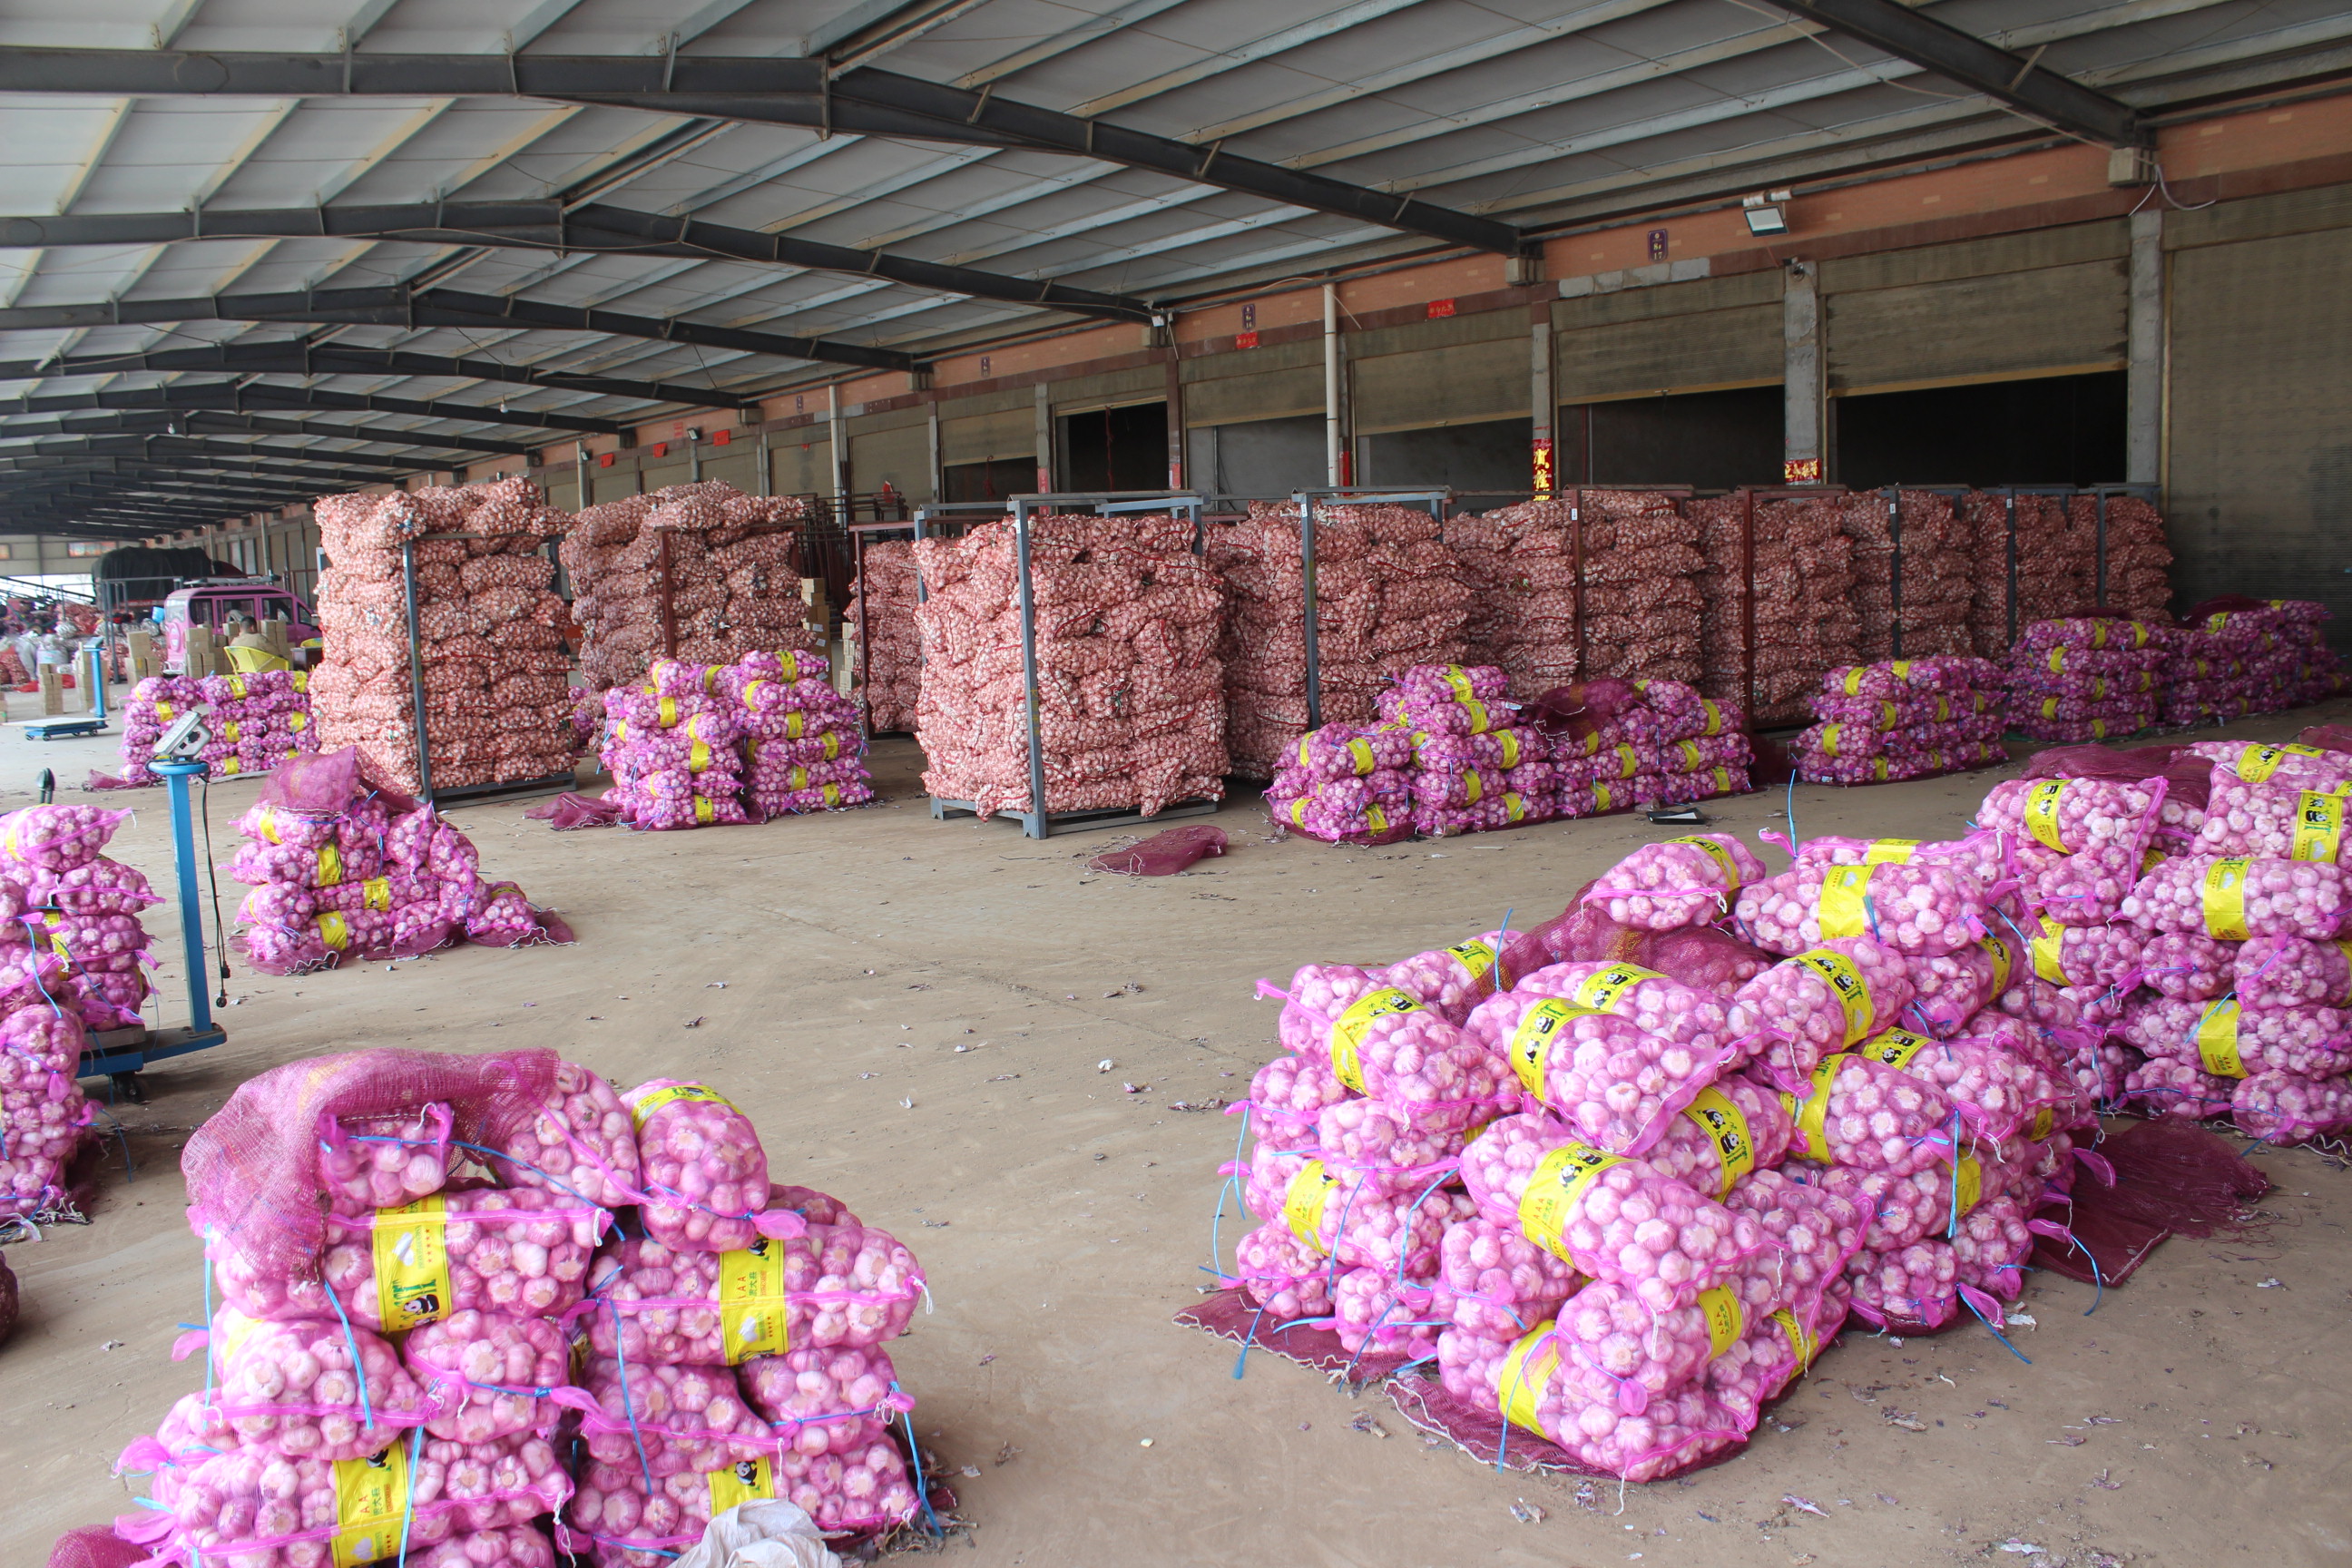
1543,475
1801,471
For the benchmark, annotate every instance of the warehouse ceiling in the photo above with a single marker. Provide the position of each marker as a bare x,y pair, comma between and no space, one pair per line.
251,250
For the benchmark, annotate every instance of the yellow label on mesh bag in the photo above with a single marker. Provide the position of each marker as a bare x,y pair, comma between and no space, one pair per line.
1480,719
668,709
376,892
1601,990
330,865
297,722
237,686
1942,711
2259,763
301,679
2225,898
2216,1040
1844,908
832,794
790,664
745,1481
1305,743
1889,851
1829,740
232,732
1515,806
1538,1027
2050,707
670,1094
370,1506
698,758
1554,1189
2047,952
164,711
1722,777
1853,681
1568,746
1716,853
2042,812
1846,983
1716,1114
2044,1121
1507,743
702,811
334,929
1473,788
751,685
797,778
1459,678
1725,1321
753,1312
1811,1112
794,722
1302,1201
1474,957
231,766
1602,799
1298,812
2150,859
1360,752
1713,717
1629,761
1526,1371
1348,1033
2057,660
1967,1182
1896,1048
412,1264
2003,961
1693,758
2318,825
2098,728
1801,1340
1375,819
710,680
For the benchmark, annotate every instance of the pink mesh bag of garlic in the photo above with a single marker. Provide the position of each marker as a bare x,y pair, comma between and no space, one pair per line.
1450,981
2169,1085
295,1387
254,1508
2234,1041
2282,972
1282,1274
625,1526
2296,767
837,1285
1678,1430
1367,1139
1950,988
1856,1109
1910,1288
833,1399
1286,1096
1916,909
1574,1035
670,1419
1821,1001
582,1142
1615,1350
1816,1229
1492,1282
56,838
2271,821
2070,816
368,1163
2083,957
1349,751
1384,1042
2230,898
1609,1217
2198,968
1375,1314
2285,1108
1897,1209
1991,1246
519,1253
492,1375
1730,1129
704,1173
1681,882
1997,1092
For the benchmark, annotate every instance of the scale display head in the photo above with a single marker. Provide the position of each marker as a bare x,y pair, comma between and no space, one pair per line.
185,737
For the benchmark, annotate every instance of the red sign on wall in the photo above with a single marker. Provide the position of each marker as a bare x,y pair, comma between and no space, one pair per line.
1440,307
605,462
1245,340
1801,471
724,438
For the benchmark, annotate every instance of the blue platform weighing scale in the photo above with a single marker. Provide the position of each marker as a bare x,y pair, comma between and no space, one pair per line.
87,668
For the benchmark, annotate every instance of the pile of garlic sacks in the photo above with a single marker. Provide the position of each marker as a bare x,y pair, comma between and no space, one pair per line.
482,1347
1623,1176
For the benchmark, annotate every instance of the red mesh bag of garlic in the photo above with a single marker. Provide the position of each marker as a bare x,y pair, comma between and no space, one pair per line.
1796,579
1912,572
699,573
497,705
1390,594
1131,695
888,661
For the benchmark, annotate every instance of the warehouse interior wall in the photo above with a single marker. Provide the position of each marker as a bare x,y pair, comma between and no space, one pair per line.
2053,430
1490,457
1123,448
1713,440
1258,457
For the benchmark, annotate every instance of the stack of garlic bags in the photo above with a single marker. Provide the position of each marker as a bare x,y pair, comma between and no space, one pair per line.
497,705
1903,718
394,1349
888,659
2234,657
731,585
1642,602
1648,742
2054,554
1520,562
60,900
1799,1148
1801,590
256,721
1929,570
2086,679
1131,695
1390,594
2139,581
704,745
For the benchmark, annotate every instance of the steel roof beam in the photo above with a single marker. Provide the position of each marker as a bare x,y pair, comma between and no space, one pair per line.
551,226
1963,58
202,445
809,93
164,422
234,398
342,359
199,456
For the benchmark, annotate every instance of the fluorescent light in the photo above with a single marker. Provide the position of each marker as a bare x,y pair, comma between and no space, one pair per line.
1762,220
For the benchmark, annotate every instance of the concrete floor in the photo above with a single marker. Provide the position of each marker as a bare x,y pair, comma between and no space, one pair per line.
826,972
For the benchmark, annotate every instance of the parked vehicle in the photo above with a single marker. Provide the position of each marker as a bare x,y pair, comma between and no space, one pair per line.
210,603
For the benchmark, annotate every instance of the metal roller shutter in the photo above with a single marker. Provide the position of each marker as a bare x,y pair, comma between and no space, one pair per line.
737,463
1702,334
1278,382
900,457
987,438
1461,383
2259,463
801,461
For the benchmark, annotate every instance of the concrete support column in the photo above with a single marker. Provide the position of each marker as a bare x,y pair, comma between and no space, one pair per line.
837,448
938,470
1175,414
1542,459
1045,432
1804,412
2144,338
1334,441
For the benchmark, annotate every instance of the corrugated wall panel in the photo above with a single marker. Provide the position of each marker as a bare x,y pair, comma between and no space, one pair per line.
2048,320
2258,471
1687,352
983,437
1461,383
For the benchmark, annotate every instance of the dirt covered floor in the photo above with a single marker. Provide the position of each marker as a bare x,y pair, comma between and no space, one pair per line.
914,1012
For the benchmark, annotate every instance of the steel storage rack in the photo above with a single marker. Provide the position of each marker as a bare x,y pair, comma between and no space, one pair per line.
1037,821
860,535
1306,501
426,793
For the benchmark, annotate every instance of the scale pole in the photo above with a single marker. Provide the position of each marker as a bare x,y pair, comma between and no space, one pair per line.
183,856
